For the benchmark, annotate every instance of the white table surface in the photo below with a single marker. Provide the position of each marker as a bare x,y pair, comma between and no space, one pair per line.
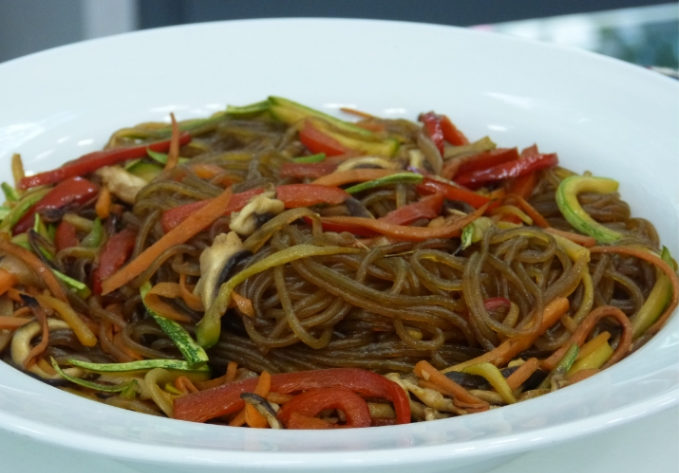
648,445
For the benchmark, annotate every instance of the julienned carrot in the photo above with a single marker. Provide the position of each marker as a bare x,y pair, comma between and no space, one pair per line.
41,346
191,226
656,261
191,300
510,348
33,262
522,373
9,322
423,369
153,301
252,416
523,204
7,280
585,328
243,304
582,240
452,227
81,330
103,205
173,152
340,178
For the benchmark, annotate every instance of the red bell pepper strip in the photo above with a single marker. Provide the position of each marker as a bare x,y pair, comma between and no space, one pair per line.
97,159
428,207
433,129
452,192
174,216
296,412
440,129
65,236
225,399
75,190
306,195
488,159
113,255
450,132
318,142
507,170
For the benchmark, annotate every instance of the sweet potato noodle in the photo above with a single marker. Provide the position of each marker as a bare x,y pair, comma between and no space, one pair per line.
273,266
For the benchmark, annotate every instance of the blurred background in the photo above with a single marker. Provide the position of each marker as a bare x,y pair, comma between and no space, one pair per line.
643,32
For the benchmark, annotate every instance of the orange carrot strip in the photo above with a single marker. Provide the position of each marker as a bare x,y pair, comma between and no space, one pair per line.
38,349
74,320
231,371
358,113
593,345
173,152
583,240
103,205
7,280
238,419
155,303
185,385
339,178
585,328
423,369
33,262
656,261
537,217
452,227
9,322
243,304
191,300
582,374
192,225
119,342
252,416
522,373
503,353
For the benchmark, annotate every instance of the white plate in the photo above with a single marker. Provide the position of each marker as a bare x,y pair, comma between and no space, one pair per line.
599,114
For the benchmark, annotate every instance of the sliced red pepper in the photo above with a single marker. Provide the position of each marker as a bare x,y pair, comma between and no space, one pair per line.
433,128
301,410
440,129
488,159
65,236
306,195
113,255
508,170
307,170
428,207
174,216
450,132
225,399
95,160
452,192
72,191
318,142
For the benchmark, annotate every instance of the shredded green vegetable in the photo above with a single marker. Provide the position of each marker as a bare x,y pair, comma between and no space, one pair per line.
106,388
397,178
192,352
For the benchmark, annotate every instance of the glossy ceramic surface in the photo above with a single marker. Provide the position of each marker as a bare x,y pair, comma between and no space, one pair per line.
599,114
